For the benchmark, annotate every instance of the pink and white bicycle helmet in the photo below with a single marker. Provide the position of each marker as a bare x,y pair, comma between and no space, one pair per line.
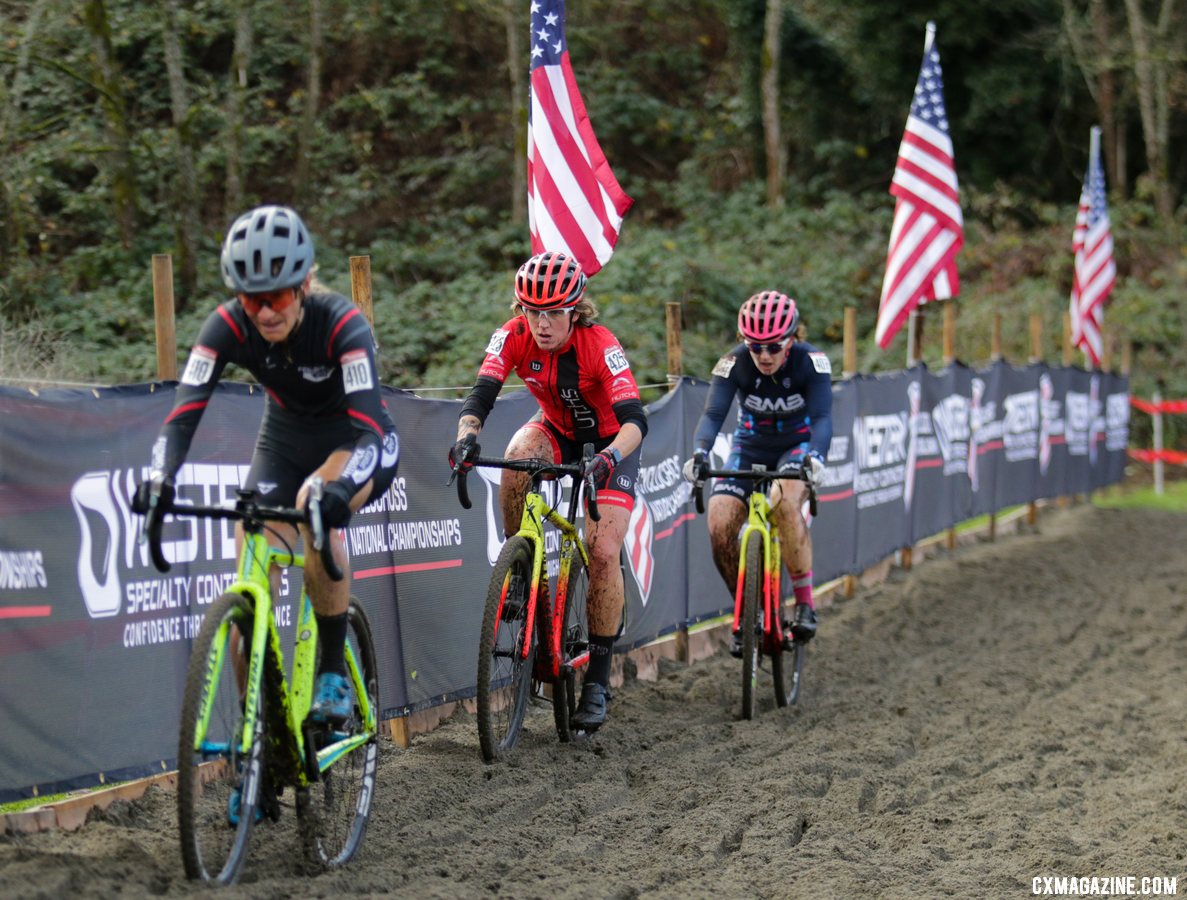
767,317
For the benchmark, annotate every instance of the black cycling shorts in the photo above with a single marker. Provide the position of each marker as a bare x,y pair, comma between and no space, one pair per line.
620,491
291,448
744,457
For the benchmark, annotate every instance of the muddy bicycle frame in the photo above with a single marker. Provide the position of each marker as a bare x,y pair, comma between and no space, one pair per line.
536,511
300,767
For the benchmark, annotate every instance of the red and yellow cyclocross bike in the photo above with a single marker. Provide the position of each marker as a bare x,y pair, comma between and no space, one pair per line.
529,637
758,599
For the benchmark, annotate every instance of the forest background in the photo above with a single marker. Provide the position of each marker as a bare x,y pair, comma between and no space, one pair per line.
757,138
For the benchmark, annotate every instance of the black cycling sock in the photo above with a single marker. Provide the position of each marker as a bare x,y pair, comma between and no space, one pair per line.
601,651
331,631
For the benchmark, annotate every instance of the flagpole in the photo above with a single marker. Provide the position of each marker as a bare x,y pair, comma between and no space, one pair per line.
915,317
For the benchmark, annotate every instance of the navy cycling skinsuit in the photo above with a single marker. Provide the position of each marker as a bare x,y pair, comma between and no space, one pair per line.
322,395
781,414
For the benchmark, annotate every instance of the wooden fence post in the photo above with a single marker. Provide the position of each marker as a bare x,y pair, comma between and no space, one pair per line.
360,286
1157,417
849,343
673,324
163,307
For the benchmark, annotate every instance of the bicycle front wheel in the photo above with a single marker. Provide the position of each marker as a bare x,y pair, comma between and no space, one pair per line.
212,768
506,651
752,596
335,809
574,646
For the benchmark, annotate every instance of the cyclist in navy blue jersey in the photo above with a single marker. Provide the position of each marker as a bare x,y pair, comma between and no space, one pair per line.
784,393
314,354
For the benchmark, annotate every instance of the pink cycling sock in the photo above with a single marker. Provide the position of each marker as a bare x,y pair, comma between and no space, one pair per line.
801,586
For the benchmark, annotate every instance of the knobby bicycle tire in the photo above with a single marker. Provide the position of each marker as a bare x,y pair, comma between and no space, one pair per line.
335,809
504,672
211,849
752,598
787,668
574,640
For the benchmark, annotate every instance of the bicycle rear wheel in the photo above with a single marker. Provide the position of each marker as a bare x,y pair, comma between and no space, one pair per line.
211,765
335,809
752,596
787,668
504,668
574,644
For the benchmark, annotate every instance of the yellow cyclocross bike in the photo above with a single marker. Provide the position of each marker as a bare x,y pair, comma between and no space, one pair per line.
530,637
758,599
244,728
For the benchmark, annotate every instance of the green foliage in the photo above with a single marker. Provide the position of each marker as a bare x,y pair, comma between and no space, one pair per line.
413,155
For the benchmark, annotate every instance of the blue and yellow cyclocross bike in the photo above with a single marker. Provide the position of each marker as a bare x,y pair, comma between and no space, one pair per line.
245,728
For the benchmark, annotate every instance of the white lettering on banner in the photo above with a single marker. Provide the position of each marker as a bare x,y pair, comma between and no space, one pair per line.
1077,422
21,570
880,440
419,535
109,532
1020,425
838,450
157,594
394,499
1116,421
661,476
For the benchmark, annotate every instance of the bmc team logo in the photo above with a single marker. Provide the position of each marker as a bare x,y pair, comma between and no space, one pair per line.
640,534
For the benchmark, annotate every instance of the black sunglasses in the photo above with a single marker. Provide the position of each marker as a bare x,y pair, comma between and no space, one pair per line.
771,349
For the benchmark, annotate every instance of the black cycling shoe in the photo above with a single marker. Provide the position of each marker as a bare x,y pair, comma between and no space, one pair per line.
802,626
591,709
736,645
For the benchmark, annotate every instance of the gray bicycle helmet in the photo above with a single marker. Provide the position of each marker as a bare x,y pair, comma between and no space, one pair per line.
267,249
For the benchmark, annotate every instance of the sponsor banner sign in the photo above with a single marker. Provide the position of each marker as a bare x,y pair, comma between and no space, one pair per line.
94,642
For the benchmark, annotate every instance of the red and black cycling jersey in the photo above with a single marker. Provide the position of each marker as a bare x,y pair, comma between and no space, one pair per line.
325,369
585,389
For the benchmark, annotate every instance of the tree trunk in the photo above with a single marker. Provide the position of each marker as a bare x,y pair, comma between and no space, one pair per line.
772,138
236,103
125,196
1150,69
186,215
309,113
1106,95
517,68
12,219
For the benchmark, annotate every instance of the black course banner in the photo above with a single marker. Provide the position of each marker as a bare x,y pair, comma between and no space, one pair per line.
94,641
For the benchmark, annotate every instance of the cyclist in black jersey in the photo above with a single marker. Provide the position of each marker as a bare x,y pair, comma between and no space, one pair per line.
313,352
784,393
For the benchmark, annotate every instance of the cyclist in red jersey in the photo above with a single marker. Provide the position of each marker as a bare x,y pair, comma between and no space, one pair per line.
579,374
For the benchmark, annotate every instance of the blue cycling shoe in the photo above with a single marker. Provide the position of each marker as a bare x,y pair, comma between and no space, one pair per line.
333,701
235,803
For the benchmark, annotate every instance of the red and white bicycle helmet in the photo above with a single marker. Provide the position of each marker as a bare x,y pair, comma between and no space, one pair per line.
767,317
550,280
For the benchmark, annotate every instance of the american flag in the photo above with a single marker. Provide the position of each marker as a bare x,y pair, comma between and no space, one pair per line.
928,228
1092,246
575,204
